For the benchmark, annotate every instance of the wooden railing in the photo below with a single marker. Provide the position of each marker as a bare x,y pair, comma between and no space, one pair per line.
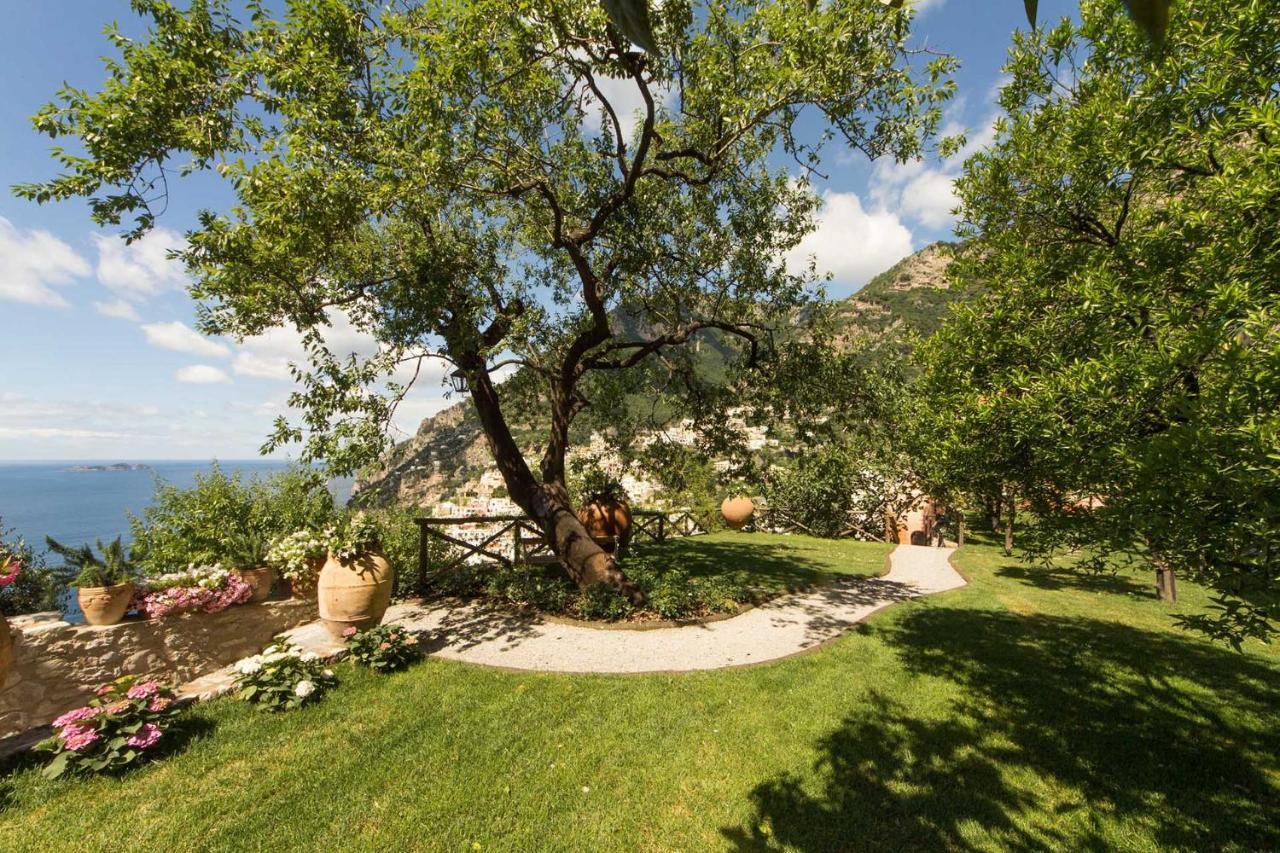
527,544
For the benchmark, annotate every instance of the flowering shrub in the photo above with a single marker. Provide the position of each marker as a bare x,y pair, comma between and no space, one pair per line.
281,678
295,555
353,536
119,727
206,588
384,648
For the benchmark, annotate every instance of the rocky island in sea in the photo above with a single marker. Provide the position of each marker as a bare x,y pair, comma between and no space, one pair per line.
115,466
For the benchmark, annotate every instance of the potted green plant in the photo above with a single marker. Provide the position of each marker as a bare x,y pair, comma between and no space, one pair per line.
104,585
605,511
248,552
355,584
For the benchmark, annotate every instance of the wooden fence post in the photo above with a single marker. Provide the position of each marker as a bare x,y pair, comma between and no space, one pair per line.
421,584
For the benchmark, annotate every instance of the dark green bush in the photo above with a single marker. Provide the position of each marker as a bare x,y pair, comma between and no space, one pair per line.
196,524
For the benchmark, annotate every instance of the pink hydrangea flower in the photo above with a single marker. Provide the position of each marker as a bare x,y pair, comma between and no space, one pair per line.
146,736
76,738
145,690
104,690
76,716
10,571
349,631
159,703
117,707
384,646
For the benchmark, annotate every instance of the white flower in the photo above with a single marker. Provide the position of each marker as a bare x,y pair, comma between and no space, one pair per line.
249,666
308,657
304,689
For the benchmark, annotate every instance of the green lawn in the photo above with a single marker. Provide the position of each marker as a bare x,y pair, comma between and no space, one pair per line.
1027,710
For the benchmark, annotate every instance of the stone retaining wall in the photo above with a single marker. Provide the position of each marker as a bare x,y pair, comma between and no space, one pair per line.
56,666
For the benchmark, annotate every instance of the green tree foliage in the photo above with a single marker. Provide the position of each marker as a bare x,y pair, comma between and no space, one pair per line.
467,180
846,411
1121,370
220,514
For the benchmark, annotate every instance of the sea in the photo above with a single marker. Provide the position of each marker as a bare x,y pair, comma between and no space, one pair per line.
77,504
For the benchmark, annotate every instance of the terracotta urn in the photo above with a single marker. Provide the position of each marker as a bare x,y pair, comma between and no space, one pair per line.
607,517
737,511
260,581
6,649
104,605
354,593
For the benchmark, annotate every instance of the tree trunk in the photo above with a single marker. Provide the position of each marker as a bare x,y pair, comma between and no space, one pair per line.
1166,584
959,529
1009,513
547,503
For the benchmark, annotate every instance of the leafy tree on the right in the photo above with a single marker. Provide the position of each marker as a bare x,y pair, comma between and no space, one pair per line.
1121,372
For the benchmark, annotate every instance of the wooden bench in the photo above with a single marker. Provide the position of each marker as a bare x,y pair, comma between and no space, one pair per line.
534,550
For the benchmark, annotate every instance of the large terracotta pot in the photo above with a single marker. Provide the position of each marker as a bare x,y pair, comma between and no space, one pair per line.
604,518
6,649
104,605
737,511
354,593
260,581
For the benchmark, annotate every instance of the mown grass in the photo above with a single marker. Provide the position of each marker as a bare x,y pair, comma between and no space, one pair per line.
1028,710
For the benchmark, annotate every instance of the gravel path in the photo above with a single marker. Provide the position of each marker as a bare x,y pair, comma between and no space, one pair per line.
778,629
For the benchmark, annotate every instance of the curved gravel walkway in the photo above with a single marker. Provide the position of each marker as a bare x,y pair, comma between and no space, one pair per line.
778,629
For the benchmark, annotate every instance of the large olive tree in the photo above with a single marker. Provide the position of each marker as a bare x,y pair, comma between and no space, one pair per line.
493,182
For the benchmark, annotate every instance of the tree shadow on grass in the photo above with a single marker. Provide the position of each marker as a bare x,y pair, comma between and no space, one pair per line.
1138,737
1085,581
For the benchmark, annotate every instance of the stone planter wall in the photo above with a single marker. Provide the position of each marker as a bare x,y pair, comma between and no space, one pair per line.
56,666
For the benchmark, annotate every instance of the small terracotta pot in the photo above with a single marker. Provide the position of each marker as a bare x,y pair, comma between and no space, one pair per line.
260,581
104,605
354,593
6,649
607,518
737,511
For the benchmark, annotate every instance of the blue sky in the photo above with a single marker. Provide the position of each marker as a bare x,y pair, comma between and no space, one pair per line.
97,356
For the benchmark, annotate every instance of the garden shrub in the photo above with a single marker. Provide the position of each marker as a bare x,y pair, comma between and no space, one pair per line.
600,602
121,726
282,678
383,648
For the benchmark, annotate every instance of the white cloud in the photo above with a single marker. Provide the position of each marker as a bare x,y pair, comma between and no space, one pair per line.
926,194
929,198
179,337
32,263
140,269
118,309
202,374
851,243
268,356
